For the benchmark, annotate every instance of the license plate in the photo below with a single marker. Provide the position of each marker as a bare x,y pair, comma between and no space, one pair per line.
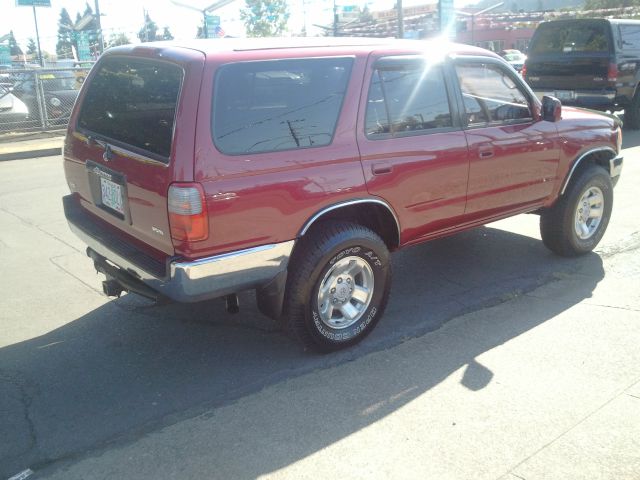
111,195
564,94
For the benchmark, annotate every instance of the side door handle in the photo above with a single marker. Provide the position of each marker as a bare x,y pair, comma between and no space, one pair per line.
485,152
381,168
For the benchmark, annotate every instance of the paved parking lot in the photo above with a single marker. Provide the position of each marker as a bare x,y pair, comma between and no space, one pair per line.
96,388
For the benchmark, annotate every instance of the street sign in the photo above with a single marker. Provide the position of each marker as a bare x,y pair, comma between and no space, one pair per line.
84,52
33,3
212,26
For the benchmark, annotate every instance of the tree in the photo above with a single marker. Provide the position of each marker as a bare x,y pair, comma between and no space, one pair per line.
265,18
65,38
365,16
201,32
116,39
598,4
166,34
149,32
32,49
13,45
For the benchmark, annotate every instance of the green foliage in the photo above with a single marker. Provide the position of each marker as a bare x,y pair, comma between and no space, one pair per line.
166,34
65,38
149,31
265,18
116,39
598,4
13,45
32,48
201,31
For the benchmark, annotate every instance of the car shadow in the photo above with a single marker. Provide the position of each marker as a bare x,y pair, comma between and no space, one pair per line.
131,367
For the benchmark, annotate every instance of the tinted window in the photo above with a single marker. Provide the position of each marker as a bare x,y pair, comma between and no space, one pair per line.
406,100
278,105
490,94
630,35
567,37
133,101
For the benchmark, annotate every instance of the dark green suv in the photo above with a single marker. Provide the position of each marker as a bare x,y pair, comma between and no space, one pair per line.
592,63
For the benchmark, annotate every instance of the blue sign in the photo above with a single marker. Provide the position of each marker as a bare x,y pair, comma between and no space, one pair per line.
33,3
212,26
84,51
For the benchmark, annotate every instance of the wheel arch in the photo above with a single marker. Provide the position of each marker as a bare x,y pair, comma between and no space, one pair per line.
373,213
600,156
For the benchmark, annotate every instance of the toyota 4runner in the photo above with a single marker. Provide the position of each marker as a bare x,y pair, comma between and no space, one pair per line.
293,167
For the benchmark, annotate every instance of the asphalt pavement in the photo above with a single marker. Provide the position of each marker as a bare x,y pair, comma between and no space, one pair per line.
495,359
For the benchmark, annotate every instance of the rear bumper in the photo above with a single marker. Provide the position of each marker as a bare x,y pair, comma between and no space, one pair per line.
183,281
596,99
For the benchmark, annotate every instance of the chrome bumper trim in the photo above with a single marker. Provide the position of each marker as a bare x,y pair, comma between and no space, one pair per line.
615,166
228,273
209,277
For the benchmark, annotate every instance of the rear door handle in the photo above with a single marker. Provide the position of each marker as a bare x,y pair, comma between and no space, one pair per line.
485,152
381,168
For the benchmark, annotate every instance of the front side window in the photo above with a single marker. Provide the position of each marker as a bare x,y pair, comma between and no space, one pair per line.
279,104
490,95
407,100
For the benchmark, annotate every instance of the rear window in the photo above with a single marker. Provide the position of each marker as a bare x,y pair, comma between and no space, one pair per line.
133,102
570,37
278,105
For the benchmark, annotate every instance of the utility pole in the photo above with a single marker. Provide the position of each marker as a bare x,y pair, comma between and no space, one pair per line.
400,19
335,19
35,19
99,25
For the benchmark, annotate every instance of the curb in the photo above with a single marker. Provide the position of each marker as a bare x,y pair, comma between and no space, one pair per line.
44,152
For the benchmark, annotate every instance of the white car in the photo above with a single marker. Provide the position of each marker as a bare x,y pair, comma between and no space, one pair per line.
12,109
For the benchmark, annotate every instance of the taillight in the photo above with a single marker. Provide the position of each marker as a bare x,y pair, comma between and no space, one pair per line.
523,72
188,218
612,73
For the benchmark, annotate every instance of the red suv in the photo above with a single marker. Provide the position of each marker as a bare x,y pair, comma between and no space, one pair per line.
293,167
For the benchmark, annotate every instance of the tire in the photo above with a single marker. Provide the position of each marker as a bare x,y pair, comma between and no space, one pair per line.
578,220
337,267
632,113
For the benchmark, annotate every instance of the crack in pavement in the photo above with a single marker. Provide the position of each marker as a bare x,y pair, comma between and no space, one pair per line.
27,393
37,227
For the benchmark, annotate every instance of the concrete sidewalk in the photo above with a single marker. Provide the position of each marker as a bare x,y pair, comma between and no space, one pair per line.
31,146
543,386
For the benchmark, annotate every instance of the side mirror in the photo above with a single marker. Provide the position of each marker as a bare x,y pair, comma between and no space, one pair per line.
551,109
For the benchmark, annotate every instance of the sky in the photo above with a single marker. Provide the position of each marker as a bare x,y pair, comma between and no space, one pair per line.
127,16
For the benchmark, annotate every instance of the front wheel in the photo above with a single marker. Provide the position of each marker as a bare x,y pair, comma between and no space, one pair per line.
339,281
578,220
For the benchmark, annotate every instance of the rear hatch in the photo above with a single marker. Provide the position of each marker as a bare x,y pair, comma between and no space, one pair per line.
570,55
131,136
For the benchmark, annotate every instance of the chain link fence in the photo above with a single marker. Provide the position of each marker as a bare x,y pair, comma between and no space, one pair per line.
38,99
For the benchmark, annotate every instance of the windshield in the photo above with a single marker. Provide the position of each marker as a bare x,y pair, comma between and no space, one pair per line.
567,37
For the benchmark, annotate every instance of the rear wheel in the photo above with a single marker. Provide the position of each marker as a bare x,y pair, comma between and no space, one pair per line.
632,113
578,220
339,281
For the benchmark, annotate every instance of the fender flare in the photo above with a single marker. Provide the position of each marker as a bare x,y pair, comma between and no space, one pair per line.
577,163
349,203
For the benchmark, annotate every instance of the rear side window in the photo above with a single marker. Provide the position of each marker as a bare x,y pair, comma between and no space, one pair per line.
133,102
407,100
630,36
567,37
279,104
